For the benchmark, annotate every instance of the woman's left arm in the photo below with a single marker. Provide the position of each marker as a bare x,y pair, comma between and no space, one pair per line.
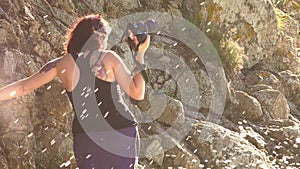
26,85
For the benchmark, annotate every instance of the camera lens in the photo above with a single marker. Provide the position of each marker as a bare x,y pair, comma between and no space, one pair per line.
138,28
151,26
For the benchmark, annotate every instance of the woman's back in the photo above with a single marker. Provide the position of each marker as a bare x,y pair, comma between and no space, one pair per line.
89,94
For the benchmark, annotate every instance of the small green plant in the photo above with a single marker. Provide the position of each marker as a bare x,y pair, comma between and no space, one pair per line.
173,95
229,51
232,55
281,4
281,18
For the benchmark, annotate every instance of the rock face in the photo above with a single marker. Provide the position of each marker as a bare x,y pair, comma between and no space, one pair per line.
252,24
33,130
257,41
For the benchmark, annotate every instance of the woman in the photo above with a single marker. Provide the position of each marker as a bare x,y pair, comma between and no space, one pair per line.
92,76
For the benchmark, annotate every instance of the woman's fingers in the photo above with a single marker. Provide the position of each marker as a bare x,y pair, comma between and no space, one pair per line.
144,46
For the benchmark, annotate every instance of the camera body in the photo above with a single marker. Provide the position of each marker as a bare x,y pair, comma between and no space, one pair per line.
140,30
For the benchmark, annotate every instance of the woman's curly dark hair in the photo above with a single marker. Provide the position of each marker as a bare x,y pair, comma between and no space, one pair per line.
82,32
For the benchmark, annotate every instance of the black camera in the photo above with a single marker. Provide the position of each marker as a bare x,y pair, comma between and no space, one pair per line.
140,30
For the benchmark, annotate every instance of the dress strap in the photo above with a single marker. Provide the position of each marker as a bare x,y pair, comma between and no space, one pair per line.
99,58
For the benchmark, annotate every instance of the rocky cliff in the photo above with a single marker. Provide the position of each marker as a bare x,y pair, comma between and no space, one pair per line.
238,109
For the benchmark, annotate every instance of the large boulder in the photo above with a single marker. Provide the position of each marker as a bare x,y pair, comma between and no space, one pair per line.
218,147
286,82
244,106
274,104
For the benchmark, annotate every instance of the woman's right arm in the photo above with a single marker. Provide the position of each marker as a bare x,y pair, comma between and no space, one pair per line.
26,85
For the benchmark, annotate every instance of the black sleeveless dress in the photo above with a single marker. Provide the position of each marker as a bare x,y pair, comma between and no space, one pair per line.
97,104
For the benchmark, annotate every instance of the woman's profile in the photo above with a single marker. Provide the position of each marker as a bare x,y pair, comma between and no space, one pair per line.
92,77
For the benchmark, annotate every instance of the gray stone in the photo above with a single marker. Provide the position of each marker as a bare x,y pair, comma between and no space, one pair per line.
180,157
155,152
245,107
173,113
273,103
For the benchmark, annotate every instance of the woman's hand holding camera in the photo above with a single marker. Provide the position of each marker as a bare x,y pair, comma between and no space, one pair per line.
142,49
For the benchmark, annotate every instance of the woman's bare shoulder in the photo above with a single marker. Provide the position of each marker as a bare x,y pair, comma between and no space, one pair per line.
66,58
112,55
61,62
